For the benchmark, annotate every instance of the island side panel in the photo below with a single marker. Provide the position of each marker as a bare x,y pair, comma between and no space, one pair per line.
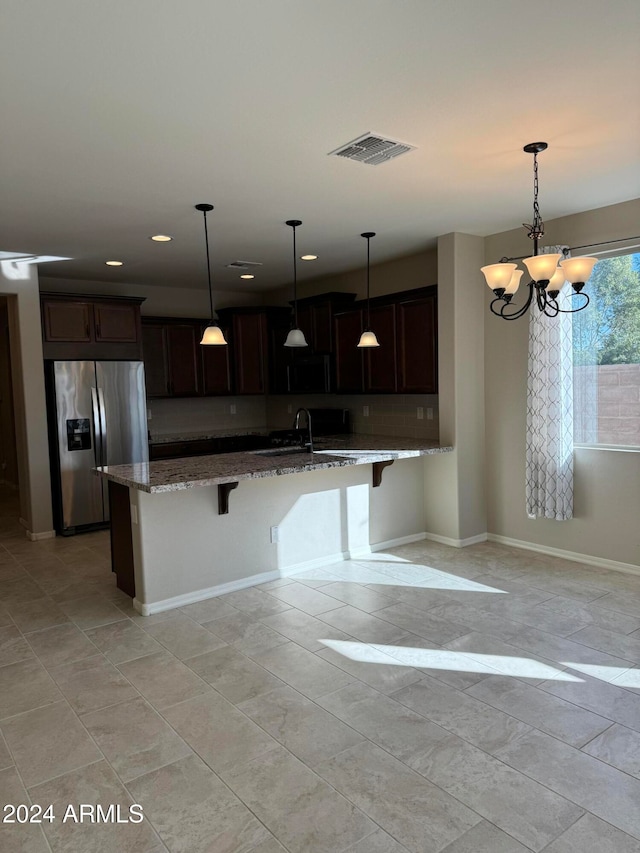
185,551
122,558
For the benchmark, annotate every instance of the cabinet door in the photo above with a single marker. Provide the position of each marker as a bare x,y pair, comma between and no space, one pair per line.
116,323
322,327
249,338
216,368
280,359
156,368
69,322
306,324
183,365
348,358
381,362
417,342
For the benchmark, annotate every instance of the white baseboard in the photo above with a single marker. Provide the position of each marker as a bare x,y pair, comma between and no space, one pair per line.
203,594
234,586
457,543
316,563
401,540
36,537
589,560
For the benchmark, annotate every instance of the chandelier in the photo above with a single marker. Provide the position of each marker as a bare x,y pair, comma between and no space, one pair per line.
548,272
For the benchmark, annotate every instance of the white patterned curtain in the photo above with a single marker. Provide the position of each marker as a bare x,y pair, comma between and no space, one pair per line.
549,468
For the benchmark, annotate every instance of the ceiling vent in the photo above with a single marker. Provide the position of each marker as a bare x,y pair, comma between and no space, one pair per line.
373,149
243,265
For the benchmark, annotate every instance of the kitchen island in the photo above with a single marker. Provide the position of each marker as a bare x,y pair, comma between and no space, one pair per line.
180,536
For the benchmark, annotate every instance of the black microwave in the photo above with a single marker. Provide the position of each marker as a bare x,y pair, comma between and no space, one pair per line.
310,374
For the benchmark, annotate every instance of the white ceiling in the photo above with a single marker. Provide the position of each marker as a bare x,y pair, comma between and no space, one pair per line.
118,117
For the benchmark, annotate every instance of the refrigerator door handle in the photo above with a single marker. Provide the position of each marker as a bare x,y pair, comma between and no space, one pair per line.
97,432
103,426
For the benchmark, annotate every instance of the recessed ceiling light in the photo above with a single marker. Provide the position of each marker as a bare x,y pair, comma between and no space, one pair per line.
161,238
114,263
247,275
308,257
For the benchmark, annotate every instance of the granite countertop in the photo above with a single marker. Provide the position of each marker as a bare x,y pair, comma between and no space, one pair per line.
170,438
331,452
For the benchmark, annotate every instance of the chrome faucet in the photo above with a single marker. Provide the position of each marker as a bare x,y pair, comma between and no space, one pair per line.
296,425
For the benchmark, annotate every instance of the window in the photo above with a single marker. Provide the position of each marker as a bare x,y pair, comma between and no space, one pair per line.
606,356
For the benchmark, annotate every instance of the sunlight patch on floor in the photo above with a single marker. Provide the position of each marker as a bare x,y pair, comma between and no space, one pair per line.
444,659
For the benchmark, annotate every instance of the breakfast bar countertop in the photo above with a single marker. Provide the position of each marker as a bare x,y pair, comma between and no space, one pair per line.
330,452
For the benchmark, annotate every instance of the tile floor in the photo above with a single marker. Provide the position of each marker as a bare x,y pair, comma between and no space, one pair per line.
427,700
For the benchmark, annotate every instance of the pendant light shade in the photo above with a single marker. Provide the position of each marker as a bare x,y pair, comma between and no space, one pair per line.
368,338
296,337
212,335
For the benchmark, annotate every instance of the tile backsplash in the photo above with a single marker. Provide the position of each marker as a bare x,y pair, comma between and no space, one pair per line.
198,414
388,414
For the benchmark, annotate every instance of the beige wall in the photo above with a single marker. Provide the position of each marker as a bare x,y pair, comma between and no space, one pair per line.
455,506
29,398
159,301
406,273
607,482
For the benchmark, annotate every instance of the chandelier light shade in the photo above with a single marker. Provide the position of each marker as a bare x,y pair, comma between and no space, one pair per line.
514,282
212,335
547,278
296,337
368,338
498,276
577,270
542,267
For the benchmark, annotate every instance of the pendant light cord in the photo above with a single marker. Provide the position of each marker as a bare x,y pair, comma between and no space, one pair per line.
368,292
368,235
206,242
295,282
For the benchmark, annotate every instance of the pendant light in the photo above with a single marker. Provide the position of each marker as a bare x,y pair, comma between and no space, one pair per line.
296,337
368,338
212,335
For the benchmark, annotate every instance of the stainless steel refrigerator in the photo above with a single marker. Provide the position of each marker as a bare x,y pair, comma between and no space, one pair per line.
98,416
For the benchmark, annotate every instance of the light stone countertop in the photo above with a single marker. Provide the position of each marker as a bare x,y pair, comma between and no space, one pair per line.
331,452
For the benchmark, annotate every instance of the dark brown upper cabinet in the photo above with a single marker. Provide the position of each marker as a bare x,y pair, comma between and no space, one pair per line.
315,318
156,360
116,323
67,322
250,352
418,345
349,367
183,360
96,327
381,363
216,366
406,361
176,365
